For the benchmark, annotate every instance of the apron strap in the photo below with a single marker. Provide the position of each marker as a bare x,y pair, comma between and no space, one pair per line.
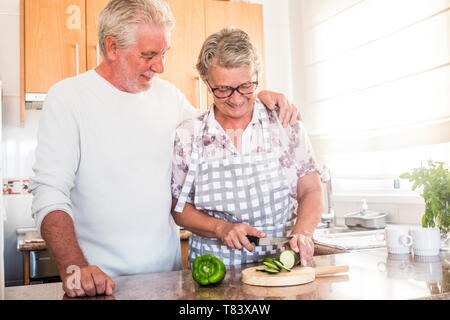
186,187
261,108
193,166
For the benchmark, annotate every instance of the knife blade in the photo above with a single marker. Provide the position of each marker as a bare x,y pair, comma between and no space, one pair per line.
268,240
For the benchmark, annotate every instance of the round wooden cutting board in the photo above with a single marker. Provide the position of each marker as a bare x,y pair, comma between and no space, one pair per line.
298,275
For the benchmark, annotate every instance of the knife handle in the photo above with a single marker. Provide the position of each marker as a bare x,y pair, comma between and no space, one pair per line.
254,240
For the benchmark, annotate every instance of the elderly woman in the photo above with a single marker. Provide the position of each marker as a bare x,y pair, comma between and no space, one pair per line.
236,171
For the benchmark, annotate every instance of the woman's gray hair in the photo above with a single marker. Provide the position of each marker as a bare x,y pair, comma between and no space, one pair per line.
228,48
120,19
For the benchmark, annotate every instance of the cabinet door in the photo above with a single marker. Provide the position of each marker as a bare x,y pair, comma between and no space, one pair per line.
55,42
93,9
245,16
186,42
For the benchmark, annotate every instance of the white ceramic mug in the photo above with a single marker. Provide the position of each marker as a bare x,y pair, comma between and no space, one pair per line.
398,240
427,241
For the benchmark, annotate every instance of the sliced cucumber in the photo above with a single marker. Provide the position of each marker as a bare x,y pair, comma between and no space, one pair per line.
271,265
271,270
281,265
289,258
267,269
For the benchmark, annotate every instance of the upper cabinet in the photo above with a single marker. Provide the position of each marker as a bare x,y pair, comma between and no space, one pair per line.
248,17
93,9
186,41
245,16
55,42
59,40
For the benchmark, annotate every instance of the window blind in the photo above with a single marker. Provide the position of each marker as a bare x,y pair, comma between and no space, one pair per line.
377,84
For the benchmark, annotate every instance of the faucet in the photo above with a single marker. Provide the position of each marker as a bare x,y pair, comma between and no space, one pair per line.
328,216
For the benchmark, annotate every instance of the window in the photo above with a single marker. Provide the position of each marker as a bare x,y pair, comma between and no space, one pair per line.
377,87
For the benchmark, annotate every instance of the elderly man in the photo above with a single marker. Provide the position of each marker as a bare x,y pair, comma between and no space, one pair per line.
101,188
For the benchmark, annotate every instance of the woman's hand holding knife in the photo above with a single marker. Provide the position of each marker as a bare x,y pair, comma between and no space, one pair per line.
234,235
240,235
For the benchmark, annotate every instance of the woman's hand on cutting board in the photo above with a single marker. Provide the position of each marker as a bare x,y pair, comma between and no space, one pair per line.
304,245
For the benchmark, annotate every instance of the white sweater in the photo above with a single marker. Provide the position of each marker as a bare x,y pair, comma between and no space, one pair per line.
104,157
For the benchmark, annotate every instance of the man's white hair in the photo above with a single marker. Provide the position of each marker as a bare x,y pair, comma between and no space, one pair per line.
121,18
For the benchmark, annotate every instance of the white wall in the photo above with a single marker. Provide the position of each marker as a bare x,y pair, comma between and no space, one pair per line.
277,46
18,141
297,57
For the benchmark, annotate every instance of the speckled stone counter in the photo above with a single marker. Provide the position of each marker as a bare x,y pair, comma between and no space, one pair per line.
373,274
320,250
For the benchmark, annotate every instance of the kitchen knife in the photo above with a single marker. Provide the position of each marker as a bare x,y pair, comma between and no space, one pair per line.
268,240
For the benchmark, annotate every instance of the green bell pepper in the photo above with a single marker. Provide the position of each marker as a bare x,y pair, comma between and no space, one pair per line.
208,269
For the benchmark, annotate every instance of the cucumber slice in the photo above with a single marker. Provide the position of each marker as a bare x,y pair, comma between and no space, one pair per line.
262,269
268,260
289,258
271,270
271,265
281,265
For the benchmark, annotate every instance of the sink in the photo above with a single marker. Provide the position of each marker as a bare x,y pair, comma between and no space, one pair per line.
346,238
338,229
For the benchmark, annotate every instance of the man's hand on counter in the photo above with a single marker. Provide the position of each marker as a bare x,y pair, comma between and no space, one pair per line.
78,277
87,280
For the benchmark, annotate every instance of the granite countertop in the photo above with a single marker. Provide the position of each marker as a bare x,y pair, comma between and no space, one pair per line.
30,240
373,274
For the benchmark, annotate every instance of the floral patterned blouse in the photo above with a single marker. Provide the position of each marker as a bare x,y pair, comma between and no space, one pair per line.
296,155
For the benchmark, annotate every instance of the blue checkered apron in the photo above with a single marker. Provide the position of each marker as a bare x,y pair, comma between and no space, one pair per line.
250,188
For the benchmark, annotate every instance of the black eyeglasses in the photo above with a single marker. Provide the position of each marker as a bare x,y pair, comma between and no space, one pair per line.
223,92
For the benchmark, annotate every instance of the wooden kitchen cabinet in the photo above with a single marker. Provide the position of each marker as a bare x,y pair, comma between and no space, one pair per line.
93,9
195,21
184,244
54,42
185,253
186,42
59,39
245,16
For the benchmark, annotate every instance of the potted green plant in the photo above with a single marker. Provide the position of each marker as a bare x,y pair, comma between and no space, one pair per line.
435,180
